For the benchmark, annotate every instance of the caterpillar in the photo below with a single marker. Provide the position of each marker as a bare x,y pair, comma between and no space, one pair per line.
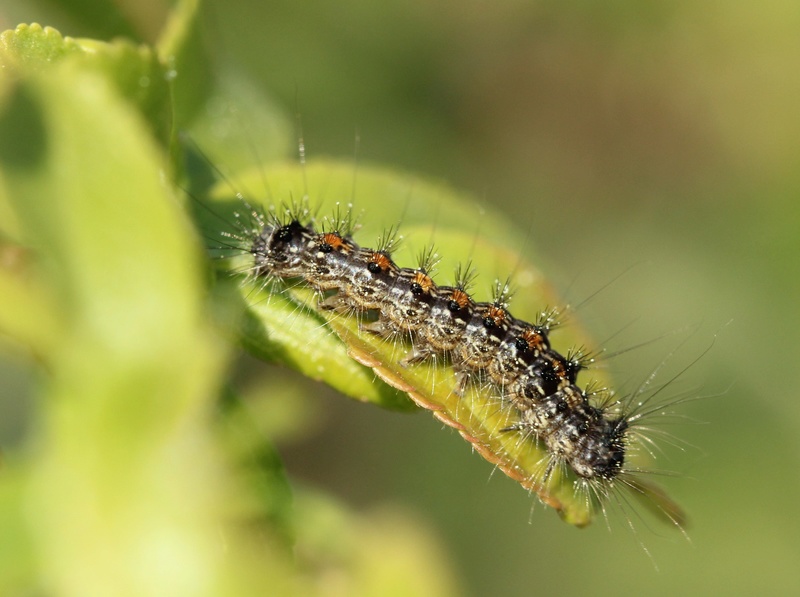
493,376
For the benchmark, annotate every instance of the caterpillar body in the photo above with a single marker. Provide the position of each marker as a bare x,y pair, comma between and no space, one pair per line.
494,377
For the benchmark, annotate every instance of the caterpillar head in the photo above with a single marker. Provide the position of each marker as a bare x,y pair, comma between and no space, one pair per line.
278,249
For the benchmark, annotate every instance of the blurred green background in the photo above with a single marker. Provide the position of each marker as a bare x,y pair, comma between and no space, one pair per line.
659,139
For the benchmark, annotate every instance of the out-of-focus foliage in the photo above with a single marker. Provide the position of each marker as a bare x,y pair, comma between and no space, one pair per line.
135,477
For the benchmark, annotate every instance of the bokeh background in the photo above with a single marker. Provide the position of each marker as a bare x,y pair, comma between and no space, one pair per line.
656,140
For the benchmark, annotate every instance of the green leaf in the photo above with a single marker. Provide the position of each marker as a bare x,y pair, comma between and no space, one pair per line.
27,314
17,552
284,325
127,493
134,69
33,48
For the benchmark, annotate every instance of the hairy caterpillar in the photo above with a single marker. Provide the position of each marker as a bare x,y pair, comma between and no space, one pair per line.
493,376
